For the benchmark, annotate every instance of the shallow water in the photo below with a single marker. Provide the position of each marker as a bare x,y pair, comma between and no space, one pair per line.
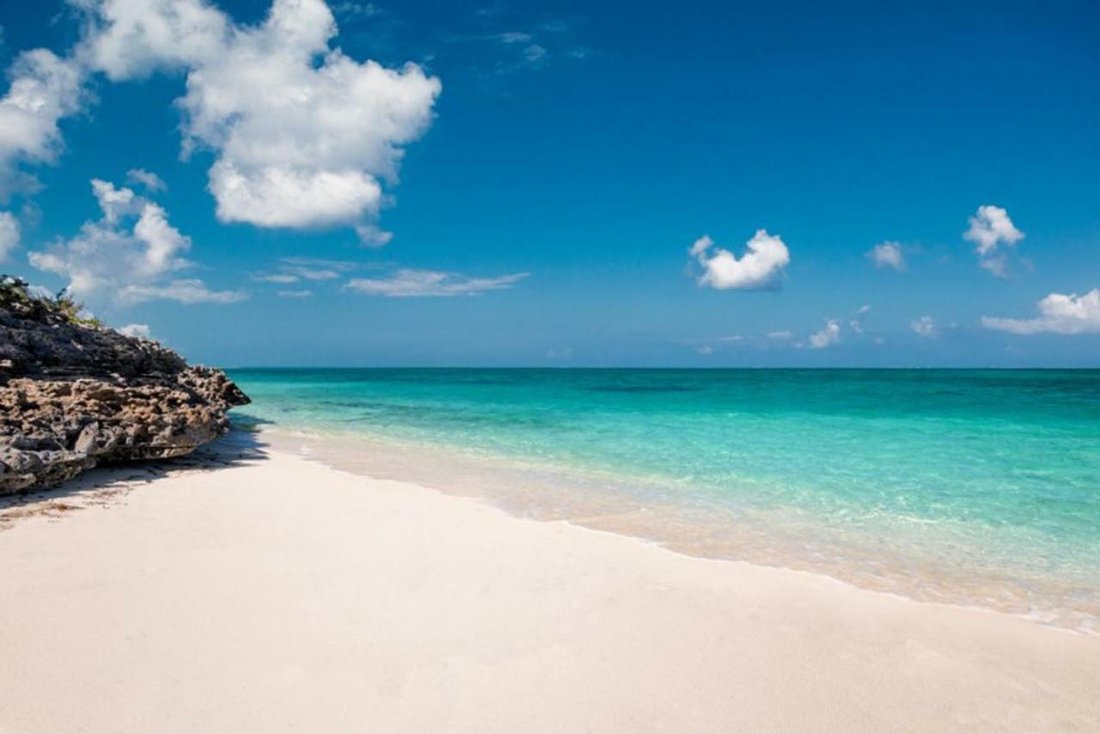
978,487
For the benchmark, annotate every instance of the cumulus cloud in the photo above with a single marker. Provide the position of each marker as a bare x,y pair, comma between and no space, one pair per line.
925,326
136,330
761,266
990,229
131,253
1059,313
151,181
887,255
304,136
410,283
44,89
128,39
827,336
9,235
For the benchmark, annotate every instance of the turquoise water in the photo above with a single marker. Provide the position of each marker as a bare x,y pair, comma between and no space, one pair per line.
972,486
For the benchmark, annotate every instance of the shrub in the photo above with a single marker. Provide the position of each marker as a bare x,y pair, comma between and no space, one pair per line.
16,296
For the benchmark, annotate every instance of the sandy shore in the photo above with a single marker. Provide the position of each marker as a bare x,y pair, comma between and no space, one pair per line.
275,594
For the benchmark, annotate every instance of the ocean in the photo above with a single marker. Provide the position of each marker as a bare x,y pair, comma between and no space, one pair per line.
976,487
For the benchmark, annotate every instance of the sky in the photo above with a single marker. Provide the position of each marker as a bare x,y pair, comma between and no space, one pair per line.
704,184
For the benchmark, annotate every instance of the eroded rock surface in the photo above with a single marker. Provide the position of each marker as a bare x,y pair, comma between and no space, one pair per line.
73,395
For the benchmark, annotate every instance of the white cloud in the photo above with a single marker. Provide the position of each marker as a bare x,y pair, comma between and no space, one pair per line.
9,235
705,350
304,135
130,254
136,330
44,89
856,323
1058,313
311,273
281,278
827,336
115,202
760,267
409,283
318,265
284,196
356,9
779,335
295,269
534,53
372,236
887,255
305,293
925,326
189,291
989,229
129,39
151,181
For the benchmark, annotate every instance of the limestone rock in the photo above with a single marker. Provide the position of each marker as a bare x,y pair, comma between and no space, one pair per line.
73,395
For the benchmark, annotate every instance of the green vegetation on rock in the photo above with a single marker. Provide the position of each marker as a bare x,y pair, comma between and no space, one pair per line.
17,297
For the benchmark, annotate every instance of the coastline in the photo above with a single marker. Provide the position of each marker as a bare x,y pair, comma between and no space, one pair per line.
277,593
601,500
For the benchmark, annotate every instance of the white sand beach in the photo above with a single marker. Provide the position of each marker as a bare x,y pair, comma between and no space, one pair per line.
276,594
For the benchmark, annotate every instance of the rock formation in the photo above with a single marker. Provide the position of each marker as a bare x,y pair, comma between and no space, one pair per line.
74,394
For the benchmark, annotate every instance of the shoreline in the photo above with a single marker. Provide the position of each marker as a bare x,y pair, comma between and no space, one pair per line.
274,592
600,501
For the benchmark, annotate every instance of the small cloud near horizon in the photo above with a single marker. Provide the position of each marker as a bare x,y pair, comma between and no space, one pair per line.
924,327
827,337
760,267
1059,313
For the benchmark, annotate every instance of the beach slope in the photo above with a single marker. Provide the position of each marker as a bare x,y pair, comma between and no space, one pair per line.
276,594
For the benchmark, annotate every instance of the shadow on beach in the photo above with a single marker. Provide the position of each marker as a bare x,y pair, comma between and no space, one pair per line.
109,482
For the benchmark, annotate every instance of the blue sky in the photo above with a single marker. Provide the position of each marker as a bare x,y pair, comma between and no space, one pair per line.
529,193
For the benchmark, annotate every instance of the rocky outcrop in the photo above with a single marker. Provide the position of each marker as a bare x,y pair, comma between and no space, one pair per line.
74,394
